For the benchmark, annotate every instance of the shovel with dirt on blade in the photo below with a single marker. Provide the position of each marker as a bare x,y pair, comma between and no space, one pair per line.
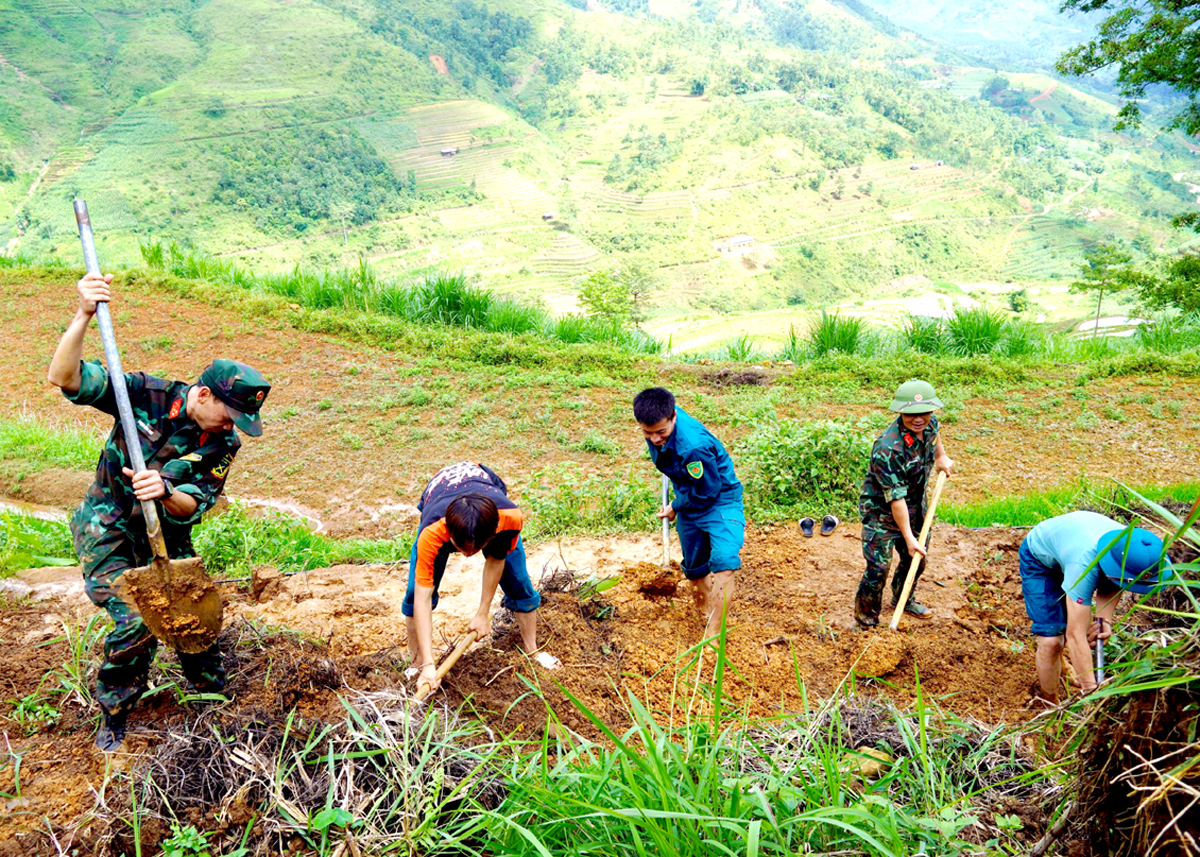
175,597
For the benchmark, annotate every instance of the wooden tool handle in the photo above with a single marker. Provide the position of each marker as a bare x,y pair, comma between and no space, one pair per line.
116,379
424,690
916,560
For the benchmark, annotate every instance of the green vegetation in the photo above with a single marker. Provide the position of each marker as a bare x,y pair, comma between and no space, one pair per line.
26,438
234,542
791,469
437,300
1026,510
29,542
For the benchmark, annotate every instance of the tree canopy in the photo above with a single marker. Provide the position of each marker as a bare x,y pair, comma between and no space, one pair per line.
1150,42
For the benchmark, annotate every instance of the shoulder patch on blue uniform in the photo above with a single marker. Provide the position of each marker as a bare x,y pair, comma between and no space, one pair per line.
695,469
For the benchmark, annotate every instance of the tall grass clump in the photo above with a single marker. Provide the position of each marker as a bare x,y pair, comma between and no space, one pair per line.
832,333
1171,334
927,335
739,349
792,468
974,331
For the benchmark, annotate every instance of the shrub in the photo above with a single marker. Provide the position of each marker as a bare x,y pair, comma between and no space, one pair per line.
974,331
740,349
926,335
790,466
833,333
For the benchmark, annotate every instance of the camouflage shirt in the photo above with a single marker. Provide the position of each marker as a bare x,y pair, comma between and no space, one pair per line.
190,459
899,470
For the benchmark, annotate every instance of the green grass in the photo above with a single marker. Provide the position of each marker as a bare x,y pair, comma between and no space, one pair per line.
29,542
1026,510
233,543
48,445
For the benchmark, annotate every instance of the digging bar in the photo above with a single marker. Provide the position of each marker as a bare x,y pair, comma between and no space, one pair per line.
175,598
666,526
916,560
1099,661
451,659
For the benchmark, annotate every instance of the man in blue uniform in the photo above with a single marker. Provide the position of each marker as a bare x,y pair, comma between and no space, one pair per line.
707,509
1065,563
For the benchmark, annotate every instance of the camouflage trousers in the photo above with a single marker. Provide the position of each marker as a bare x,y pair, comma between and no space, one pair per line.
877,544
105,554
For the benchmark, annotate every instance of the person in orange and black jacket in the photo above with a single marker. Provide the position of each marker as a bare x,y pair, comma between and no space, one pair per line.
465,508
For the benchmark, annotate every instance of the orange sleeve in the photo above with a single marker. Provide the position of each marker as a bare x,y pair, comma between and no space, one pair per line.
511,520
429,543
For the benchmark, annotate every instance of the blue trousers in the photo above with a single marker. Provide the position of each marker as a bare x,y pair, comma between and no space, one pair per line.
519,594
711,540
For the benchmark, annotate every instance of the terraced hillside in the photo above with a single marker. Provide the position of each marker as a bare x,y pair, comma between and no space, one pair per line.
746,166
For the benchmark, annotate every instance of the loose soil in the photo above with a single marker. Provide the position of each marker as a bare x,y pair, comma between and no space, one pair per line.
791,623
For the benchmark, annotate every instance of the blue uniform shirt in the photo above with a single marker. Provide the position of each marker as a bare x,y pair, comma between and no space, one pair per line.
1068,543
698,466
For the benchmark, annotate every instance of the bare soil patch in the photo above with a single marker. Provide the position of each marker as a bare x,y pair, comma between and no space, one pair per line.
792,620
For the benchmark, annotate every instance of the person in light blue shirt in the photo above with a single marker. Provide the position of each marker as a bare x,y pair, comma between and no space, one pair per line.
1069,562
707,509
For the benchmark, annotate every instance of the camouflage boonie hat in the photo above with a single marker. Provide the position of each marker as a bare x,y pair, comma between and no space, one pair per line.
915,397
242,390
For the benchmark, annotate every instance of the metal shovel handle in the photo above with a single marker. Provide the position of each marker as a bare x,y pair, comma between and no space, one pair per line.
116,378
666,526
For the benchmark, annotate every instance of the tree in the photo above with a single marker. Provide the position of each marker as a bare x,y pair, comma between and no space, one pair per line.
1150,42
1105,268
603,296
1178,289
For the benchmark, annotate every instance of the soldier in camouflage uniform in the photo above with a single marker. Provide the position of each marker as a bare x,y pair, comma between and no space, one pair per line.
188,443
892,503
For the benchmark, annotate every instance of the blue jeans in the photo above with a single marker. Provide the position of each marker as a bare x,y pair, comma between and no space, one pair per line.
711,540
1042,589
519,594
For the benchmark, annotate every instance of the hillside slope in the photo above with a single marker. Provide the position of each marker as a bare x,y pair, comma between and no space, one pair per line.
749,156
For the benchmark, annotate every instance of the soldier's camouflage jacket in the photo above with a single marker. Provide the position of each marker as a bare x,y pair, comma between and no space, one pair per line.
899,470
190,459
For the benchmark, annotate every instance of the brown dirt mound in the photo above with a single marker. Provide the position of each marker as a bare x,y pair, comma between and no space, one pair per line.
792,619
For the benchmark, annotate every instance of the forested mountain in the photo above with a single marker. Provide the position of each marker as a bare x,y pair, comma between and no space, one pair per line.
745,154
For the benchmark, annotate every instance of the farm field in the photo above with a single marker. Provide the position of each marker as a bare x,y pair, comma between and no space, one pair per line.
352,432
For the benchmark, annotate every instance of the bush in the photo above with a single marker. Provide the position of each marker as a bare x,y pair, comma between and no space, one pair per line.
926,335
834,333
790,467
975,331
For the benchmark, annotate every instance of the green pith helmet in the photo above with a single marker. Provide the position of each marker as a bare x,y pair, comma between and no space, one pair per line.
915,397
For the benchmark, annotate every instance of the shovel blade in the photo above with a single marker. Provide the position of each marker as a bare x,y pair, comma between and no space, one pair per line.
177,601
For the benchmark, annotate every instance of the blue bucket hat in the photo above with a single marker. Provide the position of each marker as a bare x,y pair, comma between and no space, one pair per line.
1133,559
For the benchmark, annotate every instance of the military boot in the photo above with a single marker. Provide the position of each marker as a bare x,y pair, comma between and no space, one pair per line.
112,732
866,607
